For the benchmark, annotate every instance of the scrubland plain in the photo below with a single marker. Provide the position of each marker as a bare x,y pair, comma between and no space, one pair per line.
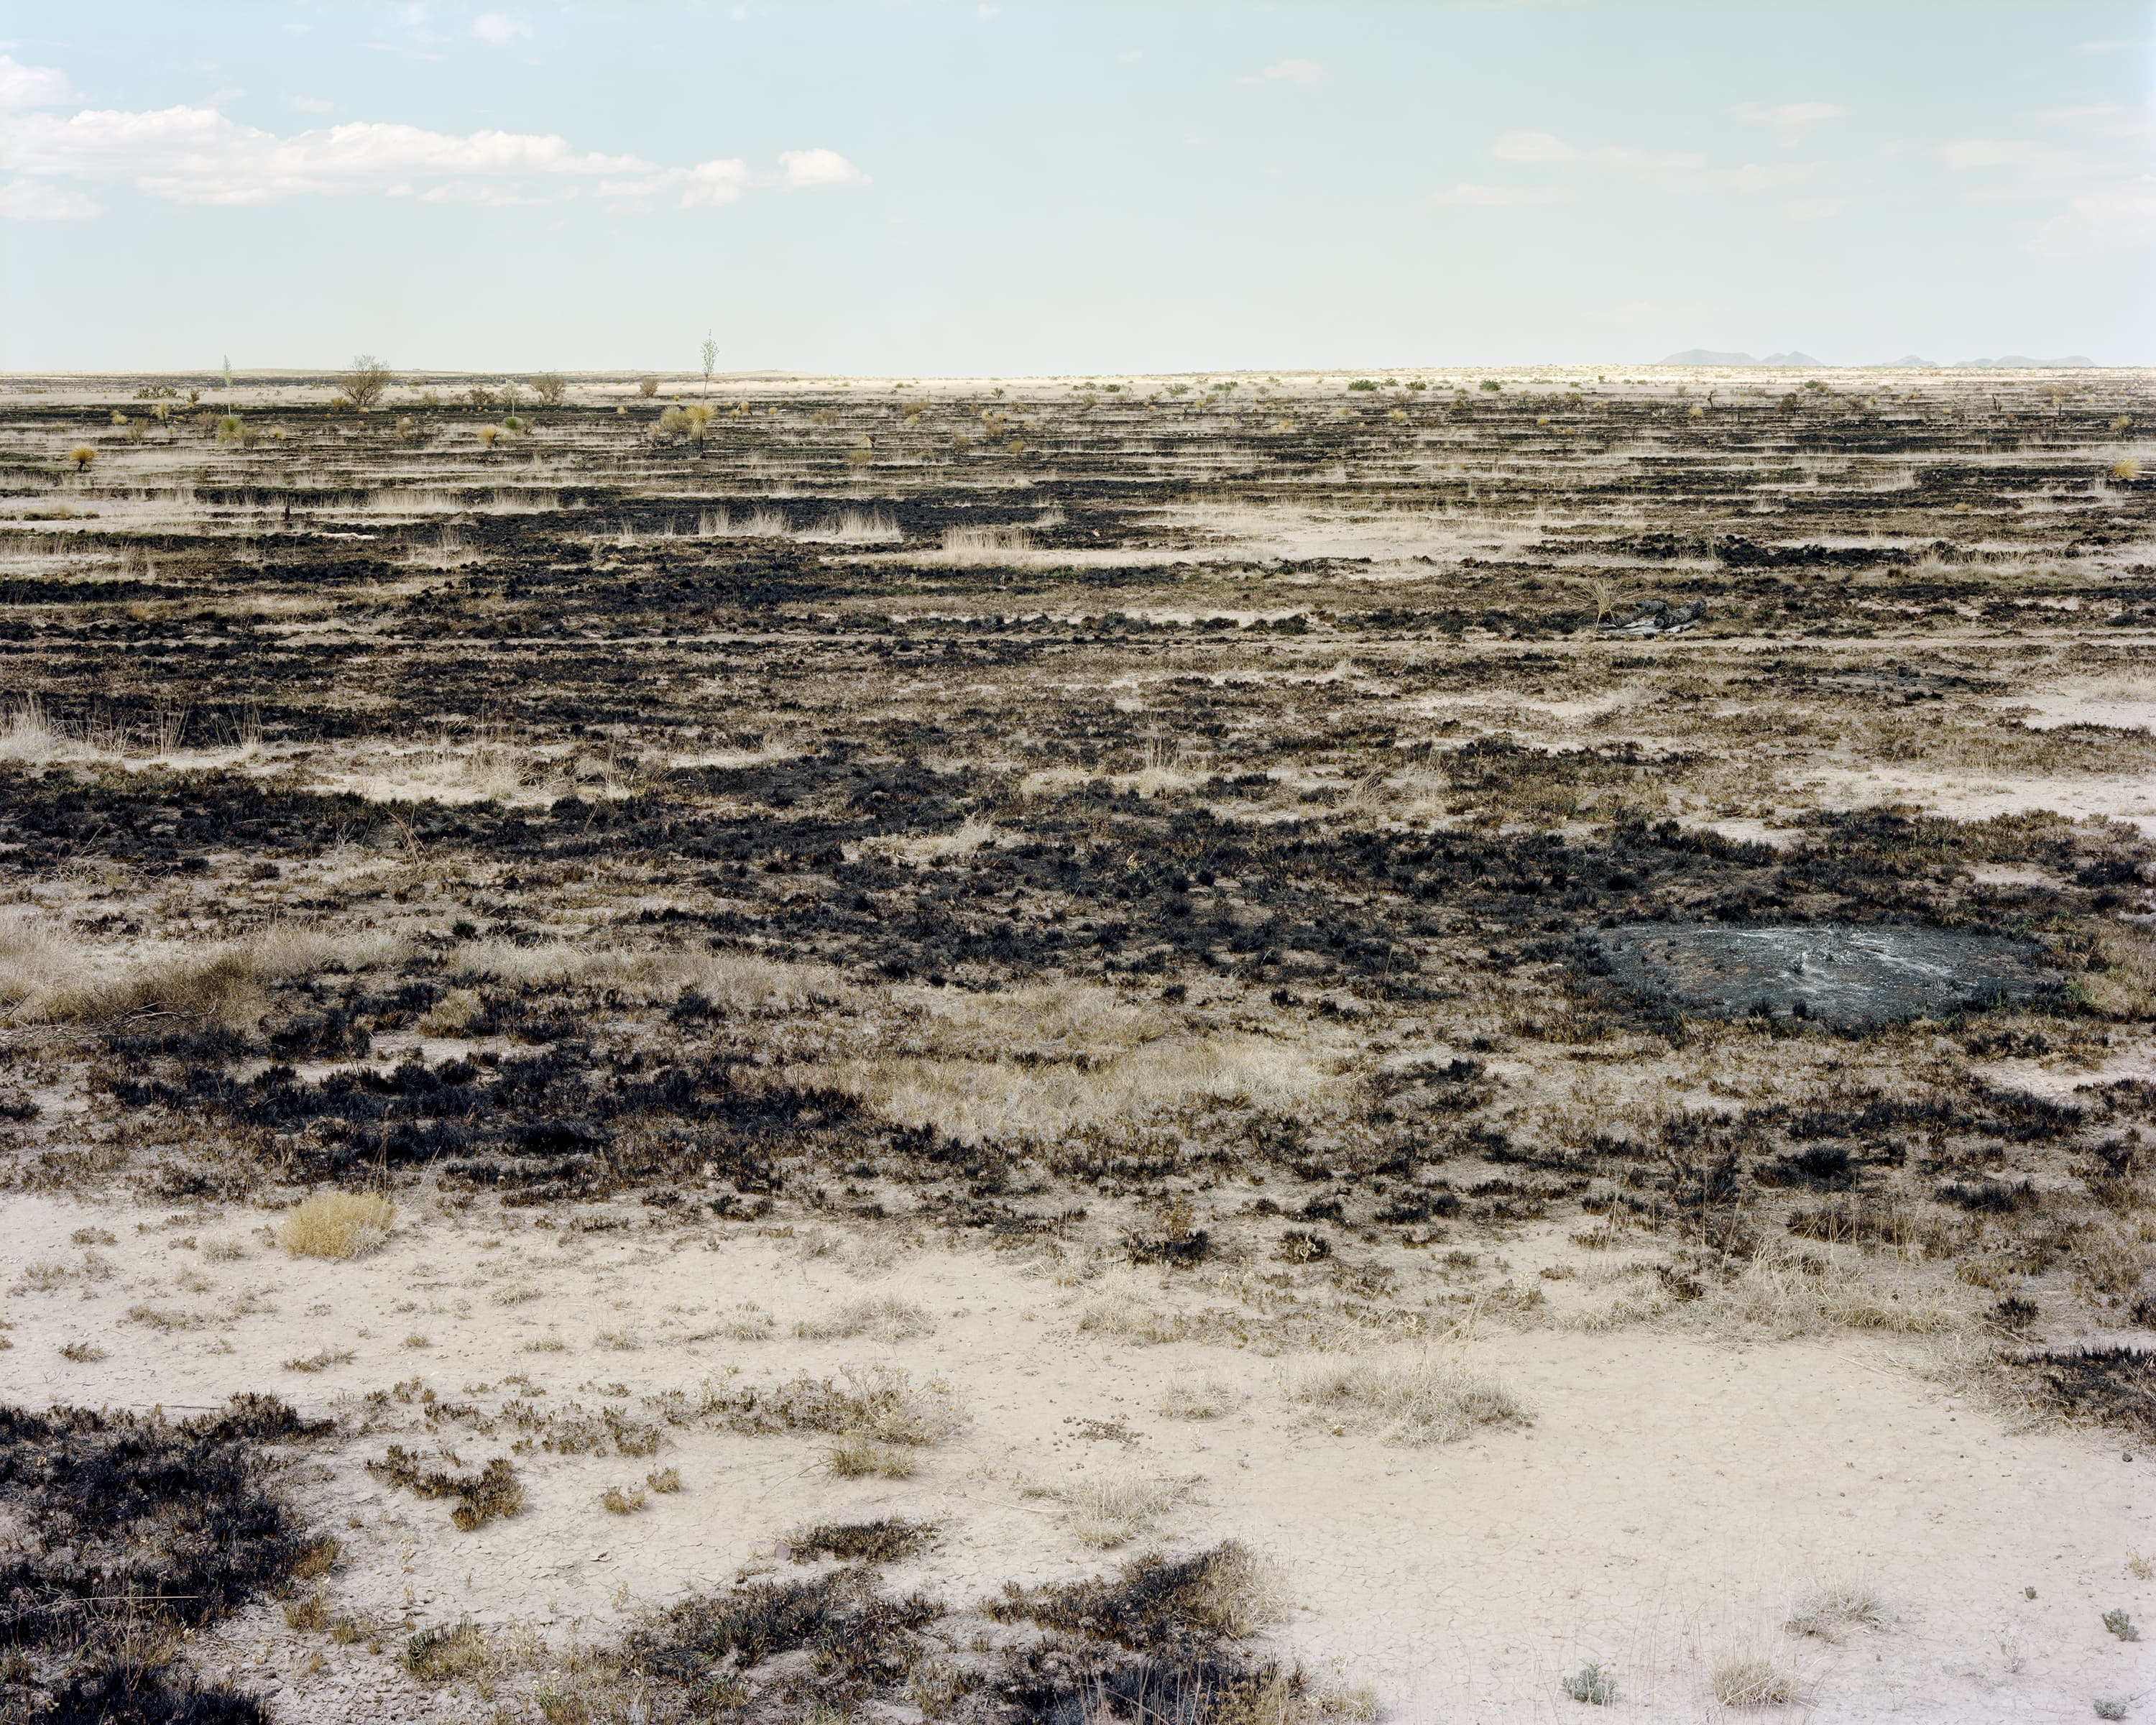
912,1050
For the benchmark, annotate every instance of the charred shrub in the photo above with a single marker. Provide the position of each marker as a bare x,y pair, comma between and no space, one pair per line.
177,1523
2114,1385
858,1639
493,1492
890,1540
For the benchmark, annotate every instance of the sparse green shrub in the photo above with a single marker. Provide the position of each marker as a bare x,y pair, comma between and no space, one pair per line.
1592,1683
2121,1626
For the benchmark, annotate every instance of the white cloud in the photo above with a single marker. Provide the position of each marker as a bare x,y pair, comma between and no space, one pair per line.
2117,219
710,182
32,86
801,169
34,201
1546,146
1532,147
1497,197
1287,72
498,29
1789,114
197,155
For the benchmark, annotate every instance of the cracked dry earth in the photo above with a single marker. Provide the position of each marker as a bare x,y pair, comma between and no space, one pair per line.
977,1050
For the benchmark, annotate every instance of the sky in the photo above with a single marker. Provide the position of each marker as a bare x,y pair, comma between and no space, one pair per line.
1016,189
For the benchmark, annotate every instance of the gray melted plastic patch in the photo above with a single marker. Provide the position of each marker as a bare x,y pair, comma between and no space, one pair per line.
1835,973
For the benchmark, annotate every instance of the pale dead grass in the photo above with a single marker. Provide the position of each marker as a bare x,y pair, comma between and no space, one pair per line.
886,1317
1420,1399
1789,1293
337,1224
1110,1510
1751,1679
975,1100
47,976
741,981
1206,1400
1123,1307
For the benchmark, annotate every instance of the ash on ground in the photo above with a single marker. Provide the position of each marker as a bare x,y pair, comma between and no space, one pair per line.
1836,974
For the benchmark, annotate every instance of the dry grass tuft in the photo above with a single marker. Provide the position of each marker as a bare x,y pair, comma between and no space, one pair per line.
886,1317
1751,1679
337,1224
1208,1400
859,1458
1421,1400
1828,1610
1114,1509
1786,1292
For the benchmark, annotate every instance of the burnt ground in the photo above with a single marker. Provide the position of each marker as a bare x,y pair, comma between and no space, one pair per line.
1177,822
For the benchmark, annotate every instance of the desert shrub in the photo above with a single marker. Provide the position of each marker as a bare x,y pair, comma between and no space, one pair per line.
1592,1683
491,1493
1421,1400
82,456
615,1501
646,387
1159,1605
337,1224
551,387
889,1540
665,1480
2121,1625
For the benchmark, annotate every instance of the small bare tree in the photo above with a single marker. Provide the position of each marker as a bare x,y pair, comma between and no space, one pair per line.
711,353
550,388
365,381
646,387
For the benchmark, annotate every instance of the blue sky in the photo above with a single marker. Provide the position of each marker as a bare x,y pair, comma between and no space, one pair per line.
1000,190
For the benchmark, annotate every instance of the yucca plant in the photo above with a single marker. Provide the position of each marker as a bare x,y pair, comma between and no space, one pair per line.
232,429
82,456
487,435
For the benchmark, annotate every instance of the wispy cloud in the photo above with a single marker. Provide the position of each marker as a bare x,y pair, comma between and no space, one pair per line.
1790,121
1286,72
2119,219
26,200
498,29
1546,146
1499,197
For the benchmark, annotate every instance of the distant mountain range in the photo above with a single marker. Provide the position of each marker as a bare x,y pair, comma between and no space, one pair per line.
2010,362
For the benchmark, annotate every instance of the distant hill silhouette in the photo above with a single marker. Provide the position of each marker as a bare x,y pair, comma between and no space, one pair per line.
2020,362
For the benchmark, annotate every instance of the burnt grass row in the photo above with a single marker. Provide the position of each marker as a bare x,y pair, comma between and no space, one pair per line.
288,601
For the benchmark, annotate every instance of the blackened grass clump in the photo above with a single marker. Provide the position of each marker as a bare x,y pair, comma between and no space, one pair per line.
136,1528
